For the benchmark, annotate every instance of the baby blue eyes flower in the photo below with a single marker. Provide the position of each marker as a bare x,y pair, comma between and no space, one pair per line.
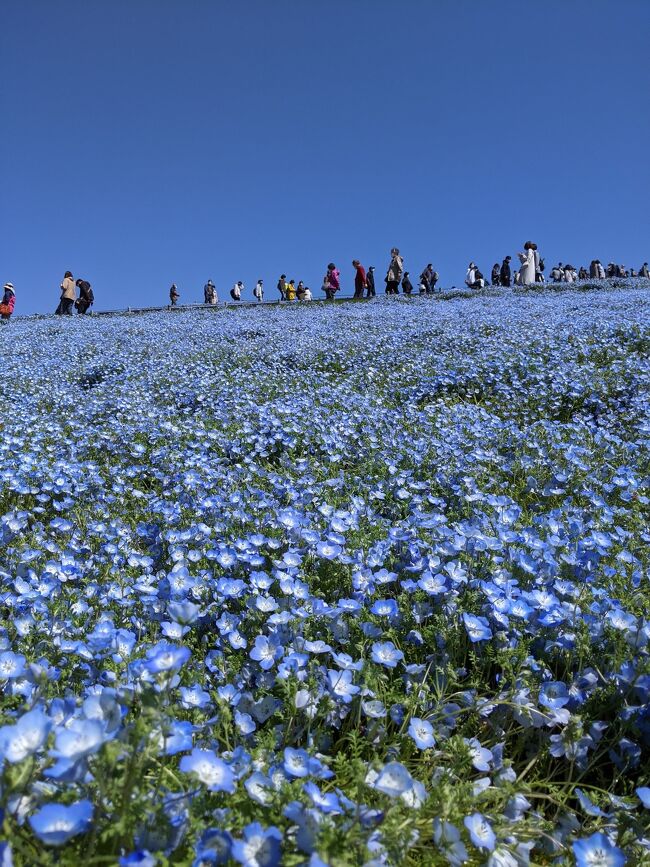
81,738
340,683
25,737
478,628
394,780
12,665
266,652
422,733
643,794
385,653
259,848
328,550
212,771
597,851
480,831
55,824
165,657
385,608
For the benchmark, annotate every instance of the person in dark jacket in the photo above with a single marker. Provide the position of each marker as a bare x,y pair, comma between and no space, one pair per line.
505,275
496,274
86,297
426,278
359,278
282,286
174,294
407,286
583,274
643,271
370,282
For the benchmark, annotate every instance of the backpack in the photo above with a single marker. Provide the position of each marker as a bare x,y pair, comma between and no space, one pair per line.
232,293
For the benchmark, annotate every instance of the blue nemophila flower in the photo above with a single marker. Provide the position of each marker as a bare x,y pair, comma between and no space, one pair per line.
12,665
478,628
385,608
25,737
259,847
597,851
481,757
447,838
341,686
327,802
6,858
55,824
266,651
81,738
163,657
480,831
394,780
328,550
210,770
385,653
139,858
421,731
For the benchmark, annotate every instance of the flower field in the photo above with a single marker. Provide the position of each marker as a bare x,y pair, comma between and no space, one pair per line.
357,584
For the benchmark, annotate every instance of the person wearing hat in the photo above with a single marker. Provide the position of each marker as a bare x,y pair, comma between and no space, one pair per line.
258,291
209,293
370,282
8,302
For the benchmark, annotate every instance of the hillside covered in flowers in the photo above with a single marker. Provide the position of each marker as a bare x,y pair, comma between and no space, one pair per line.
347,584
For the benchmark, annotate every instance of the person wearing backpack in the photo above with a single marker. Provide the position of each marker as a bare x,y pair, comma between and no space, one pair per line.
394,274
86,297
282,286
8,302
235,292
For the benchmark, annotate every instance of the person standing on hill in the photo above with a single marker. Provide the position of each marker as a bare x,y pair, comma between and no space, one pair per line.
209,293
235,292
258,291
359,278
427,279
282,286
174,294
407,286
643,271
8,302
291,290
505,274
68,295
333,280
394,274
496,274
370,282
86,297
527,270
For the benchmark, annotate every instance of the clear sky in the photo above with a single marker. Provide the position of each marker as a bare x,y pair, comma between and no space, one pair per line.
151,141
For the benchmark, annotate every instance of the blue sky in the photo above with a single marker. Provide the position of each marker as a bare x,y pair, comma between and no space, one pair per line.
151,141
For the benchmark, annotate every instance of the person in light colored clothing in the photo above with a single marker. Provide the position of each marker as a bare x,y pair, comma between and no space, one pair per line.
258,291
68,295
394,274
527,270
210,293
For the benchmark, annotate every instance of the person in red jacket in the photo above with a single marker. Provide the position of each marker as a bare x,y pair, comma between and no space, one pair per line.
359,279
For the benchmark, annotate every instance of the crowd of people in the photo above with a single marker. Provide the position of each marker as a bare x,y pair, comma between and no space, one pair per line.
78,294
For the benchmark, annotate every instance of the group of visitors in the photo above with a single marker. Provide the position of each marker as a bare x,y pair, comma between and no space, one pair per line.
70,300
78,294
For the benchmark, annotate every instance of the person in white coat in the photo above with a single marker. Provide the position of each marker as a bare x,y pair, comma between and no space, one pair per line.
527,270
258,291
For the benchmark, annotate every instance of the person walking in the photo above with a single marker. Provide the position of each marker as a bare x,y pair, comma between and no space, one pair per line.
68,295
86,297
359,278
407,286
370,282
496,274
426,278
643,271
8,302
394,273
601,270
282,286
258,291
235,292
209,293
332,278
505,275
174,294
527,270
